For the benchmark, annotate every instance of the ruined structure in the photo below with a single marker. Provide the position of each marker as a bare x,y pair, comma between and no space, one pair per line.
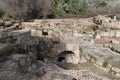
89,50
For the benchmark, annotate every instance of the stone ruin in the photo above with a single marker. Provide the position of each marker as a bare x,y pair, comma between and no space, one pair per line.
42,49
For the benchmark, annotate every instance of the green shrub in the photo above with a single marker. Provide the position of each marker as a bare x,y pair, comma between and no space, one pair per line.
66,8
105,64
101,4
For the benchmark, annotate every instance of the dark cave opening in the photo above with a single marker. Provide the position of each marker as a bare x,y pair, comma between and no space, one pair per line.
60,59
62,55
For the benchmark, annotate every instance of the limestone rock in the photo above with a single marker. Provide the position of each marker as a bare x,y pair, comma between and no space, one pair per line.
97,36
115,41
117,33
24,62
59,76
8,23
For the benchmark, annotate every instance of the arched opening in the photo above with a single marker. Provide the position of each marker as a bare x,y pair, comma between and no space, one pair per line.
66,52
74,79
62,56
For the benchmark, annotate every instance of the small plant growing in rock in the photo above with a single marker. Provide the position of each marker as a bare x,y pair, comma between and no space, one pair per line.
92,59
105,64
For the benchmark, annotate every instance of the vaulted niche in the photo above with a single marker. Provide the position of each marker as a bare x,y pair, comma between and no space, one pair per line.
62,55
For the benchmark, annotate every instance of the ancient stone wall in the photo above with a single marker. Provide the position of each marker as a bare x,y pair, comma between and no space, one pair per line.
113,33
107,22
66,26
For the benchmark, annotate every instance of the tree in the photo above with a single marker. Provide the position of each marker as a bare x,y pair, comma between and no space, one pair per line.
61,7
57,7
28,9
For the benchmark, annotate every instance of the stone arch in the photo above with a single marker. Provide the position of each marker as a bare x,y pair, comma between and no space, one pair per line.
61,57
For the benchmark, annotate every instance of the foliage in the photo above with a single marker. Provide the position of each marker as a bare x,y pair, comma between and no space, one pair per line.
105,64
27,9
32,9
101,4
63,7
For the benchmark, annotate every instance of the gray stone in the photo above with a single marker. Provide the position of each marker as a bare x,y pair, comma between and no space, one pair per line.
24,62
8,23
115,41
56,76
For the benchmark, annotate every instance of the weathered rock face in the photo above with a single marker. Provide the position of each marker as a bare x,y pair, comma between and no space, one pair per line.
5,50
25,70
24,62
58,76
6,30
114,33
10,70
75,34
101,56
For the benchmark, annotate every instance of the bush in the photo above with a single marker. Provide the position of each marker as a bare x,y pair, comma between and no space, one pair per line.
105,64
28,9
68,7
101,4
